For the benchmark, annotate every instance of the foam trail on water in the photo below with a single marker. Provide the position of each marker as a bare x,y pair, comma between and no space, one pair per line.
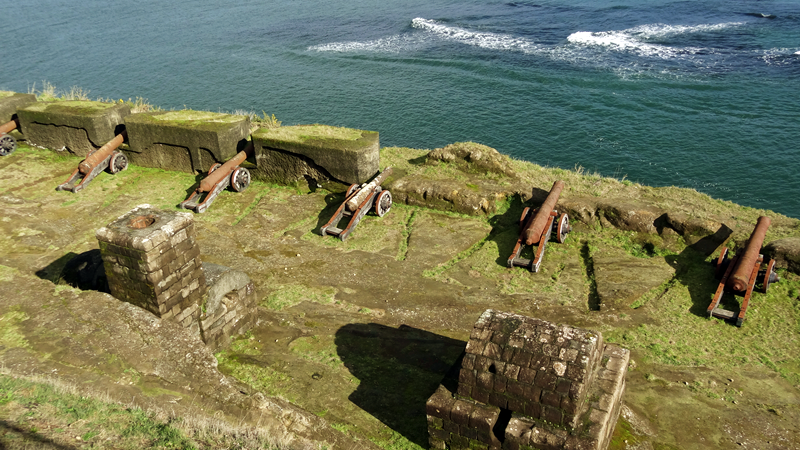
493,41
391,44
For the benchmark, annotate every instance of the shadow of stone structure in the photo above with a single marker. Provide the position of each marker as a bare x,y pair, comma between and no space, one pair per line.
398,369
525,383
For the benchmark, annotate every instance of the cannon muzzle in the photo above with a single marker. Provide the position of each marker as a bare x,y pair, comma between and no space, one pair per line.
100,155
9,126
744,266
534,232
217,175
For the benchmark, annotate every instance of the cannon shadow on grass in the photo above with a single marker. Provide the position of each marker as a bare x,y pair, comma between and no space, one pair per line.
399,369
332,203
698,275
506,227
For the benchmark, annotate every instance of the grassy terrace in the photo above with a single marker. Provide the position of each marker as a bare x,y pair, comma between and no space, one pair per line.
359,333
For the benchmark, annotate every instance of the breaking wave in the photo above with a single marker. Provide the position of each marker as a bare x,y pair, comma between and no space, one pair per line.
636,39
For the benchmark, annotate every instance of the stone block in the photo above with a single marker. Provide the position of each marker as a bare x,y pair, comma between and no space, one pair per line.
187,141
10,102
440,403
78,126
288,154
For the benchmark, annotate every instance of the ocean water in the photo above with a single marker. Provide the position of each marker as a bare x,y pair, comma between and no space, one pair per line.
702,94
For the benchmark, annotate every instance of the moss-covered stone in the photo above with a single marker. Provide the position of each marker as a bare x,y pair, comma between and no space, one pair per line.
474,157
185,140
287,154
78,126
11,101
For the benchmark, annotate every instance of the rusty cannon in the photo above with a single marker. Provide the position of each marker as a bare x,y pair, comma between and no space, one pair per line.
220,176
357,203
7,142
740,274
537,226
105,157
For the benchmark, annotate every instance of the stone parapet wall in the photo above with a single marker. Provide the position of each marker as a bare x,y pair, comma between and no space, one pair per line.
10,102
186,140
286,154
77,126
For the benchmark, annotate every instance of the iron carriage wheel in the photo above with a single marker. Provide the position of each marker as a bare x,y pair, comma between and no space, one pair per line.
383,203
7,145
118,163
240,179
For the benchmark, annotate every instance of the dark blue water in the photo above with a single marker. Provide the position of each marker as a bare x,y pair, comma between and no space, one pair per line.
702,94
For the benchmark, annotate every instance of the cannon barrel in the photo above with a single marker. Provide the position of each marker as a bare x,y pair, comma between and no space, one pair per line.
101,153
744,265
354,202
10,126
534,231
216,176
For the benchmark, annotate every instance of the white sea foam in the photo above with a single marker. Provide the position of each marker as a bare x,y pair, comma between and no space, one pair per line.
391,44
599,49
493,41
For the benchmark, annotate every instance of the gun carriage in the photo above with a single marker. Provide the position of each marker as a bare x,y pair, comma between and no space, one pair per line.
536,227
740,274
7,142
220,176
359,200
106,157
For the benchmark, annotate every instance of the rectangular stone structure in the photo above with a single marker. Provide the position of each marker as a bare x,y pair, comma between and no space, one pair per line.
10,102
78,126
186,140
553,387
530,366
151,260
229,307
287,154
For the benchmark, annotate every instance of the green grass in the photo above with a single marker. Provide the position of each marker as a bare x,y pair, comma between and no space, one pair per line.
41,412
685,337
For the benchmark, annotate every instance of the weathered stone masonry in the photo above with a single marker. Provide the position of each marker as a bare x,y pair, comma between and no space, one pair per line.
528,383
152,260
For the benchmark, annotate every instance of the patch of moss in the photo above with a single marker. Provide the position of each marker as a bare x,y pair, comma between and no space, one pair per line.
304,133
290,295
10,335
71,107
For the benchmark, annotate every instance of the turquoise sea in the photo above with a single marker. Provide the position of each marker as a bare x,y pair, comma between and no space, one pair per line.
702,94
